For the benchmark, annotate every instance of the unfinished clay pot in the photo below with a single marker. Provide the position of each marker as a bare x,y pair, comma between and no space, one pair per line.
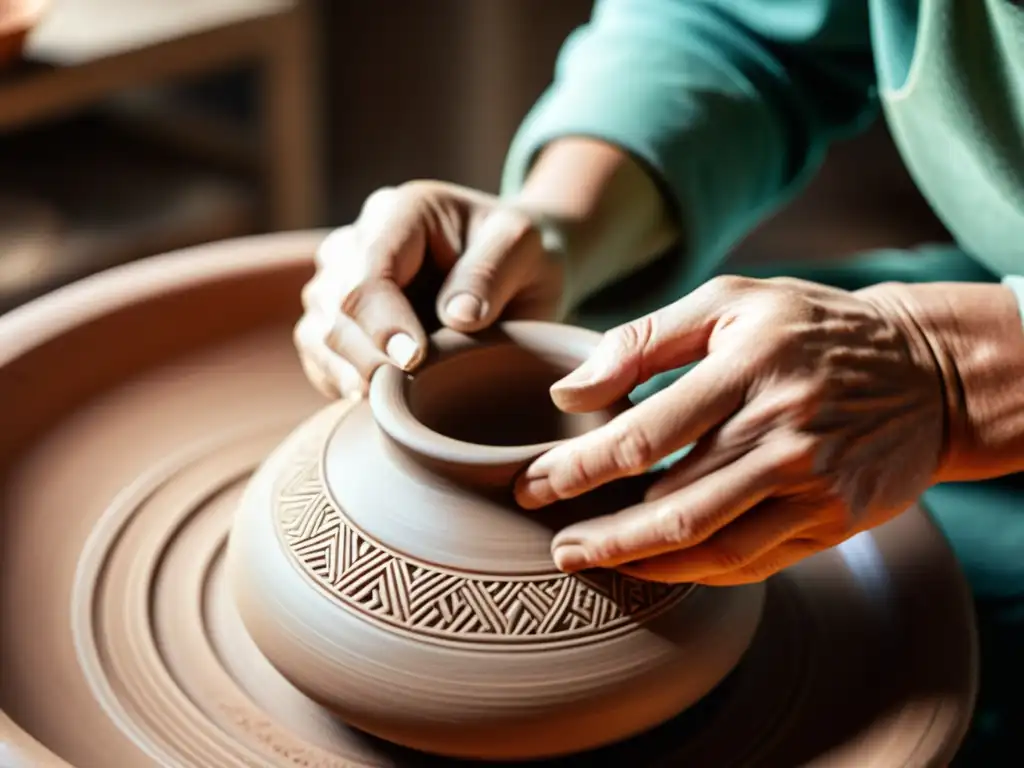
380,563
135,407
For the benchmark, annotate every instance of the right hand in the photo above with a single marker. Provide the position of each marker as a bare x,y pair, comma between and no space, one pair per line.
357,313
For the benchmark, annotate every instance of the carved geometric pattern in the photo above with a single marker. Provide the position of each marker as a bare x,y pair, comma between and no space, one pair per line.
418,597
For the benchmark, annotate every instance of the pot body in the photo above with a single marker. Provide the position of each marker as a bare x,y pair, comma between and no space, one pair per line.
517,662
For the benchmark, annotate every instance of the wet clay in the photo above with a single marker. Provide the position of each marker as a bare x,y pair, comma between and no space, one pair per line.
136,407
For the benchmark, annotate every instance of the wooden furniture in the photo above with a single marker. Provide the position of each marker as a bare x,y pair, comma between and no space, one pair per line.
94,124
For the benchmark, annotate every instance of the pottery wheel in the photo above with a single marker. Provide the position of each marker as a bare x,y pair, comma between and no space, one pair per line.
136,404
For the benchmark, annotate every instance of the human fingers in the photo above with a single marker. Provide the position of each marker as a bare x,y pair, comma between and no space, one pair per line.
386,250
782,405
636,440
328,372
735,548
630,354
499,260
771,563
680,521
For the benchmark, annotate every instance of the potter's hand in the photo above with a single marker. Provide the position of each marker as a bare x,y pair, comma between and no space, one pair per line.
357,314
815,413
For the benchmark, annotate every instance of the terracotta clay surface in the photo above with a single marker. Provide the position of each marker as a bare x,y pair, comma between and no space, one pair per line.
380,563
136,406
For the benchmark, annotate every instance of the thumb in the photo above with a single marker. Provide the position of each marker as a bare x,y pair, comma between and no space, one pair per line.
634,352
499,260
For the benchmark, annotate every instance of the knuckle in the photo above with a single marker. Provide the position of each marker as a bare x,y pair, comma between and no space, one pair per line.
479,271
728,285
298,336
675,527
380,198
306,295
774,304
311,294
604,550
306,334
334,246
627,344
630,343
632,337
796,453
573,475
515,225
801,400
416,189
632,450
357,299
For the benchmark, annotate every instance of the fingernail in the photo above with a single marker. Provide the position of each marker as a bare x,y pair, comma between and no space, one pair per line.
570,558
402,349
464,307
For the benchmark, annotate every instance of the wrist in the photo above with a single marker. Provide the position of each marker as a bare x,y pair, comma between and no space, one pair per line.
974,334
599,208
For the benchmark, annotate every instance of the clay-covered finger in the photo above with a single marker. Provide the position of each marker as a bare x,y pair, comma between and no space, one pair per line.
634,441
733,549
685,519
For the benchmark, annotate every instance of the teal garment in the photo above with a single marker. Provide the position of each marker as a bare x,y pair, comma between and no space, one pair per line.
732,104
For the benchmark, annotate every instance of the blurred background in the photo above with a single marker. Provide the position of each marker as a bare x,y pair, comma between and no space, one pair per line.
133,127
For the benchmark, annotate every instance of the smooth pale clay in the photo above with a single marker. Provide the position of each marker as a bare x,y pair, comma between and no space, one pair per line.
136,406
379,563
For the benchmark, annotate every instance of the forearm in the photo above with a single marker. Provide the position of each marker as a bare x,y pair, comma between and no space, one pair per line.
975,334
730,105
610,214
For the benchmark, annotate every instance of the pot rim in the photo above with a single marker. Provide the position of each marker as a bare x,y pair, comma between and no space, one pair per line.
388,394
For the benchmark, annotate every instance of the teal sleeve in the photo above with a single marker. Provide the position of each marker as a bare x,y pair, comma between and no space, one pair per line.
1016,284
732,104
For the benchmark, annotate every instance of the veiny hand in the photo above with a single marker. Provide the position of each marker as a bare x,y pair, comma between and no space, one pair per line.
815,413
357,315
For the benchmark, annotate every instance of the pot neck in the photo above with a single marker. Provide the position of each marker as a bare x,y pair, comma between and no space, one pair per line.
479,410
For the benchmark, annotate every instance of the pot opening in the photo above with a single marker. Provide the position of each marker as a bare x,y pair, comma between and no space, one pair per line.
496,396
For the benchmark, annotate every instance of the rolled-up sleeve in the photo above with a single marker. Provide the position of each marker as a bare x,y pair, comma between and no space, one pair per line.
731,104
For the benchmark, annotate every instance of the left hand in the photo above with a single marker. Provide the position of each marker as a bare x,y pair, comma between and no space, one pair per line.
815,413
